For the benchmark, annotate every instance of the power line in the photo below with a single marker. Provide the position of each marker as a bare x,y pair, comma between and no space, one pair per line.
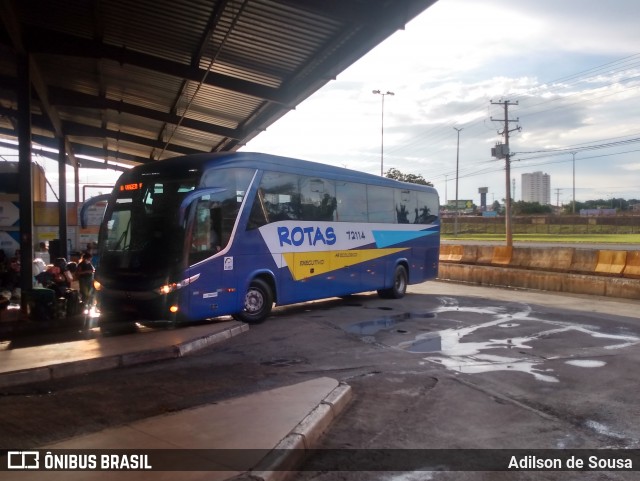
475,172
580,149
617,67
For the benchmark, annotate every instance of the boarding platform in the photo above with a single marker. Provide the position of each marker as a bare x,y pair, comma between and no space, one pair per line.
262,436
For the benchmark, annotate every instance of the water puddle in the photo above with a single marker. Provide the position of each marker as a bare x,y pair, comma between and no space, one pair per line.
490,363
369,328
472,357
453,349
431,342
585,363
605,430
423,315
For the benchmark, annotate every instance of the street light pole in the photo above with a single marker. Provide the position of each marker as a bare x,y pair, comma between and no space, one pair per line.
455,220
378,92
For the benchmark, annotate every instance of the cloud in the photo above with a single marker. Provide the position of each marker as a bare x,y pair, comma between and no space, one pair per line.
570,66
587,26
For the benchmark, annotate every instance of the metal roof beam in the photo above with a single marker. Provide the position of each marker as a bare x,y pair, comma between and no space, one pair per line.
101,153
16,32
41,40
51,143
80,130
355,12
208,31
69,98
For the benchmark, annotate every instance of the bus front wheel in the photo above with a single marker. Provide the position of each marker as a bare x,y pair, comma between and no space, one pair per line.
399,287
258,302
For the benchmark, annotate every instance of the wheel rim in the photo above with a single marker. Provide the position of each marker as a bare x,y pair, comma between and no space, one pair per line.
253,301
401,282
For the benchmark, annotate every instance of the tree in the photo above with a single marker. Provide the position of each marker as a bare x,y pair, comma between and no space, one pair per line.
411,178
621,205
523,208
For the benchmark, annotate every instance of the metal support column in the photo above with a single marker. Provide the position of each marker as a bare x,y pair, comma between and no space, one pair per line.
25,175
62,202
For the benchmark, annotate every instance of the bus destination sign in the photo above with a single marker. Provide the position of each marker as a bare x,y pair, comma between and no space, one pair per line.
133,186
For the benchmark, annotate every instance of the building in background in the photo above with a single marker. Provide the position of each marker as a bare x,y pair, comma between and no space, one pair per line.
536,187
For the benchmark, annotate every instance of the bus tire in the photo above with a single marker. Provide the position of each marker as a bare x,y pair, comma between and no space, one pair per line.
399,287
258,301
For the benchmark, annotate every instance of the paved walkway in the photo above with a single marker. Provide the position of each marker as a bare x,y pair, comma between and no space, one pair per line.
259,436
41,363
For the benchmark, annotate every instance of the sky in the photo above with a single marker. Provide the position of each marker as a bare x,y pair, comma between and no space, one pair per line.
571,69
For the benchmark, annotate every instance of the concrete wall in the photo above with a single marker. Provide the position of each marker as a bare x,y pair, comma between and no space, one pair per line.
566,269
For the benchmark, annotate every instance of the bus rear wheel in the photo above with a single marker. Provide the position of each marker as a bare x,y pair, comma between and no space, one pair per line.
399,288
258,301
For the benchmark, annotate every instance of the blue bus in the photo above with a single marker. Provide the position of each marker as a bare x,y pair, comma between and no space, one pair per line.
201,236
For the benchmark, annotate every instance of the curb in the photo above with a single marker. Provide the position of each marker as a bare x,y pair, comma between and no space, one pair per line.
280,464
67,369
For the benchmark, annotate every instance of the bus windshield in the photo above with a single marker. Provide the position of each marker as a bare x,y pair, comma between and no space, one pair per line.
141,234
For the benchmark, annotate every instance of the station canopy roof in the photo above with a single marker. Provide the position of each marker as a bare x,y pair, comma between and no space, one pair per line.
134,81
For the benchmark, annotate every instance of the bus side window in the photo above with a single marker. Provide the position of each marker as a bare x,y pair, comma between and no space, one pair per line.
380,204
259,215
216,239
427,210
351,202
318,199
278,199
406,201
206,231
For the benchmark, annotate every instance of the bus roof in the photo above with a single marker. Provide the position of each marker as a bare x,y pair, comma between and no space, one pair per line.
263,161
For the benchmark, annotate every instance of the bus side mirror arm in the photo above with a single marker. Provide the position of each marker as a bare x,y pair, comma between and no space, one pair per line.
88,204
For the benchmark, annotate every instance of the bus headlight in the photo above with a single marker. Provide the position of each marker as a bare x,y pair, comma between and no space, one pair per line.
169,288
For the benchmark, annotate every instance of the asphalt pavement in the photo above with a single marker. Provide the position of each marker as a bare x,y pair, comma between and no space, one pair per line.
383,349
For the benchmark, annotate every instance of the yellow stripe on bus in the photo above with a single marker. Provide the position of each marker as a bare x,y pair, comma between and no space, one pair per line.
308,264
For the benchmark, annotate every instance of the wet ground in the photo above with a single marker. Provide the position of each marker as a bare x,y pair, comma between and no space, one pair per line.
491,371
499,338
450,367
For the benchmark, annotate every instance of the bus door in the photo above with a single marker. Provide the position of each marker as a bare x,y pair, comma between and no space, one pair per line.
210,220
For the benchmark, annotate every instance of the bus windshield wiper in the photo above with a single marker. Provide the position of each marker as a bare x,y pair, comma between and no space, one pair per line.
124,235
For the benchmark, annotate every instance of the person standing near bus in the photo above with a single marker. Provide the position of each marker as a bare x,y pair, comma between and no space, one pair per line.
84,273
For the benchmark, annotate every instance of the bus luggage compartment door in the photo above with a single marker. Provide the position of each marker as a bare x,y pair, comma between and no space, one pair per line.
214,293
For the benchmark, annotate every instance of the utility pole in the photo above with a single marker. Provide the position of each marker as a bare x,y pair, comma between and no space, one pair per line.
573,204
507,157
455,221
558,197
